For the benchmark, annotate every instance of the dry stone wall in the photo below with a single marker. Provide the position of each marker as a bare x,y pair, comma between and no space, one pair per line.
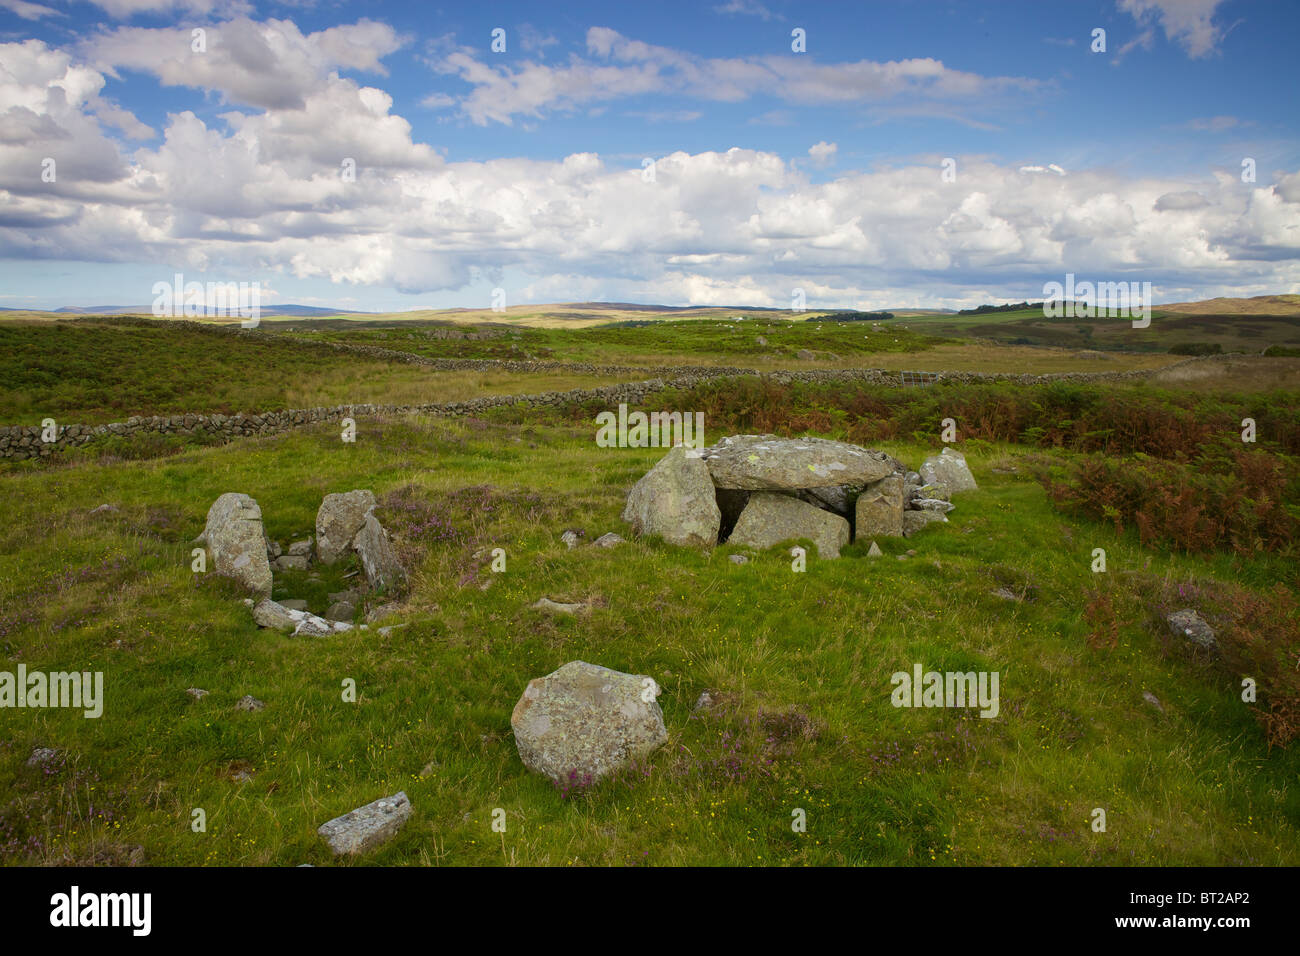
26,441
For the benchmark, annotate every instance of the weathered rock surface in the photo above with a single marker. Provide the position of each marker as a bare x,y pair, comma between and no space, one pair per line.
609,540
367,827
557,607
879,509
769,463
948,469
837,498
915,521
771,518
584,721
338,520
933,504
1193,627
377,554
290,562
250,703
301,548
341,611
268,613
236,541
675,501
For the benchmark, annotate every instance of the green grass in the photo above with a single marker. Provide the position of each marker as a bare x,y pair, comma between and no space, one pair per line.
91,371
647,341
800,664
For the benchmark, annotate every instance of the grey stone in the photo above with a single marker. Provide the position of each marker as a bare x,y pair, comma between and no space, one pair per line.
915,521
1194,627
804,354
584,721
236,541
1153,700
874,551
367,827
949,470
737,559
570,539
352,596
879,509
378,557
933,504
382,611
675,501
249,703
837,498
198,693
290,562
769,463
294,604
341,611
770,518
338,520
301,548
610,540
546,604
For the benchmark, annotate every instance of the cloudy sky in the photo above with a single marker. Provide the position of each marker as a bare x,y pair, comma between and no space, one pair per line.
385,156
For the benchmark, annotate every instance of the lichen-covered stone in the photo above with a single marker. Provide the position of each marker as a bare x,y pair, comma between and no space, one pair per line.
675,501
584,721
367,827
236,541
769,463
770,519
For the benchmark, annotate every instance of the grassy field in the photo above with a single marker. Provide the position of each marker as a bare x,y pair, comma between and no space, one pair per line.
799,664
88,372
1232,332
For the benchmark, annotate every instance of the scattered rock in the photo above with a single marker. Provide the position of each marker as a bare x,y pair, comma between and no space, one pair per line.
584,721
950,470
675,501
338,520
272,614
804,354
770,519
249,703
352,596
1006,594
273,550
571,538
367,827
236,542
313,626
1194,627
104,509
198,693
769,463
879,510
704,701
382,611
290,562
609,540
341,611
874,551
737,559
294,604
546,604
1153,700
301,549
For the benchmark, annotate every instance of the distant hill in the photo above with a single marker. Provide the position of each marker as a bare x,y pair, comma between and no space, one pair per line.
1256,305
267,310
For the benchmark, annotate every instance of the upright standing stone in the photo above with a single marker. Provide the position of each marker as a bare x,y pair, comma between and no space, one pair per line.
237,542
948,469
377,554
675,500
338,520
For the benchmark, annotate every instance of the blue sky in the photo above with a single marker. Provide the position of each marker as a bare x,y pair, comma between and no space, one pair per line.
521,169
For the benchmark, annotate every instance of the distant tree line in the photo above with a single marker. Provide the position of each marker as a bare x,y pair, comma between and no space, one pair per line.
851,316
1013,307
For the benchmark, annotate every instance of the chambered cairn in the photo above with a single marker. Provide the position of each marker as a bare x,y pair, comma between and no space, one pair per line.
758,491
